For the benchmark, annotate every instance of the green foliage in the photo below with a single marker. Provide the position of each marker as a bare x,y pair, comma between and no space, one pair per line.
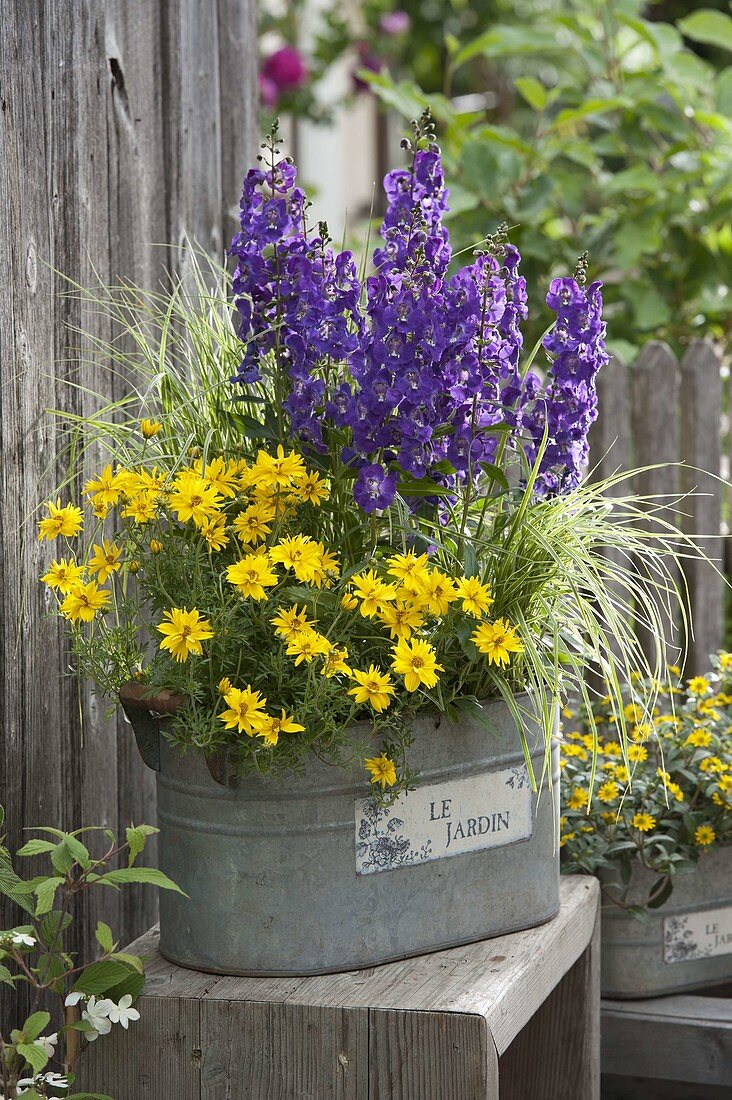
618,140
35,955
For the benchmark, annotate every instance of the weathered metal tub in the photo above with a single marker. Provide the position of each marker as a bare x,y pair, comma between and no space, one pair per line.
685,945
304,875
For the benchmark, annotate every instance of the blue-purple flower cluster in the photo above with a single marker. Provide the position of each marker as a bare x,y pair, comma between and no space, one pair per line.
414,381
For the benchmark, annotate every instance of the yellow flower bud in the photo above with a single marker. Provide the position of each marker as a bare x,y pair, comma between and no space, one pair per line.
155,546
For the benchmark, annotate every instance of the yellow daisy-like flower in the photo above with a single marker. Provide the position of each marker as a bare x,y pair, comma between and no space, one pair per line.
83,602
498,641
410,569
334,662
637,753
675,790
193,498
306,646
141,508
438,592
476,597
290,623
575,750
416,661
312,489
224,685
149,428
222,476
373,687
382,770
611,748
633,712
401,619
699,685
608,792
213,530
252,576
253,524
349,601
300,554
278,472
373,593
712,764
641,732
106,489
272,727
725,783
725,660
66,521
184,631
327,569
643,822
705,835
565,838
578,798
105,560
245,711
63,575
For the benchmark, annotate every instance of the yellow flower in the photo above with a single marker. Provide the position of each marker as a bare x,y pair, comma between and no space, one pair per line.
193,498
66,521
106,489
105,560
213,531
641,732
335,662
578,798
675,790
712,764
327,569
372,592
149,428
609,818
476,597
289,624
565,838
253,524
632,712
63,575
575,750
621,773
374,687
409,568
225,685
155,546
140,507
83,602
700,738
699,685
637,752
498,641
279,472
349,601
643,822
184,631
725,783
725,660
300,554
416,662
608,792
133,566
245,711
222,476
705,835
307,645
382,770
272,727
438,592
611,748
252,575
400,619
312,489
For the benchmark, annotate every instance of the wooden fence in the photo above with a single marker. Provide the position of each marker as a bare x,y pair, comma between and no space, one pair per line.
662,410
125,124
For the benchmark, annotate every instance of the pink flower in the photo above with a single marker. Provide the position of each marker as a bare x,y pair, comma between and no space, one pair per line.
268,91
285,68
394,22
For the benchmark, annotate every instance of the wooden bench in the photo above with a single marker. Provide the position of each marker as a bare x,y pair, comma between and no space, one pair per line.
685,1039
516,1016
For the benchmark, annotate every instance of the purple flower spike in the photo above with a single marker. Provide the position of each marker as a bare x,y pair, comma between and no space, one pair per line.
374,489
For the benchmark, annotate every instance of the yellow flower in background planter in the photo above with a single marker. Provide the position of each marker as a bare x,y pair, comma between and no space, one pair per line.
372,592
401,619
374,687
578,798
193,498
637,753
699,685
149,428
306,646
300,554
643,822
476,597
63,575
272,727
252,576
184,631
105,560
609,791
245,711
417,663
83,602
253,524
498,641
705,835
382,770
66,521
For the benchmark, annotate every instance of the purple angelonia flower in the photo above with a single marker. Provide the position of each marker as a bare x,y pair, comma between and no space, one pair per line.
375,489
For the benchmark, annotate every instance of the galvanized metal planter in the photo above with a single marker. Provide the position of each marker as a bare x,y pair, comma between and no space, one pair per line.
686,944
305,875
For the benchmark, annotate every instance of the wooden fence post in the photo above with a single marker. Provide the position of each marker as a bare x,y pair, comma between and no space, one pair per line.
122,127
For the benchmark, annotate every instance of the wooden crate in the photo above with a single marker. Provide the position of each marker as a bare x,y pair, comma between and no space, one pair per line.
517,1015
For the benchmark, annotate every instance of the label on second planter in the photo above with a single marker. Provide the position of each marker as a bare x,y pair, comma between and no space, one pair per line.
700,935
444,819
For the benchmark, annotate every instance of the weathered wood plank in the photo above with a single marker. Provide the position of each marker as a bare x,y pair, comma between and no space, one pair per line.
700,449
610,435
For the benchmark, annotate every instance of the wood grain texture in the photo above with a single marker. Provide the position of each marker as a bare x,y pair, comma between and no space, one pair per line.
119,127
610,435
700,448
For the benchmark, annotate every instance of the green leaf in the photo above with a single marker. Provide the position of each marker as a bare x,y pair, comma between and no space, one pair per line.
136,837
36,847
78,851
723,92
10,884
713,28
35,1056
88,1096
104,937
53,924
508,41
131,960
149,875
45,893
657,898
590,107
62,859
35,1024
100,977
533,92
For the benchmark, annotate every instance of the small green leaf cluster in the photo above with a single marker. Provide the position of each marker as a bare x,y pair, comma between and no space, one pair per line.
87,997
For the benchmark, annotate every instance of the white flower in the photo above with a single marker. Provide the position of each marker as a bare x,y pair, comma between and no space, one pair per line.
123,1013
20,939
96,1013
47,1043
74,998
57,1079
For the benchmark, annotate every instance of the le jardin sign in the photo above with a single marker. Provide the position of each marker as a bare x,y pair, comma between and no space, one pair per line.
697,935
443,819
